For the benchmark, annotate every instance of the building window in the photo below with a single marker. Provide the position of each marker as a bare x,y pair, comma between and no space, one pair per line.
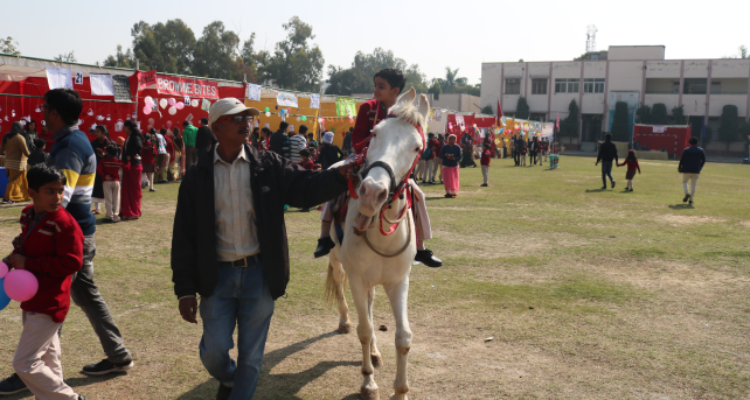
695,86
593,85
512,86
539,86
566,85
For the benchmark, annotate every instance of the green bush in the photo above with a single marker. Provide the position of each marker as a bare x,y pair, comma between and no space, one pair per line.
620,123
659,114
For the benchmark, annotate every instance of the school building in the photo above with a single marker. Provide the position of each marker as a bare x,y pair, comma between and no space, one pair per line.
635,74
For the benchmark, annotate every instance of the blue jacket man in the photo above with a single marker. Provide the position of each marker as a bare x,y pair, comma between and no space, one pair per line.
691,163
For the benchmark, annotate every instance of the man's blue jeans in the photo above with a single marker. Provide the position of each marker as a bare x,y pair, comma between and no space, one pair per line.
241,299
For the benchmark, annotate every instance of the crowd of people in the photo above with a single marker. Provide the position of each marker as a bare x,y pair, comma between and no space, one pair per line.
236,257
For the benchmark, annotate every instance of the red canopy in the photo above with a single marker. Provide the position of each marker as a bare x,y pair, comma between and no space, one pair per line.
672,138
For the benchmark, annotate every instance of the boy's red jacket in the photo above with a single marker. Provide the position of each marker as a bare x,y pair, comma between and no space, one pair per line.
53,248
486,158
307,164
370,113
109,168
148,152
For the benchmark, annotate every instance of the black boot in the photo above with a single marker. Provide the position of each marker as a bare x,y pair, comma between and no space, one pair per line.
427,258
324,247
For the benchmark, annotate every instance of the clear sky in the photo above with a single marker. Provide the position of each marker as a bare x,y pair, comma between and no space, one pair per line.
433,34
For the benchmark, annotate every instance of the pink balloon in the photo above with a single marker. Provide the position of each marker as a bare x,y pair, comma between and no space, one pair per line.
171,101
147,110
21,285
180,105
3,269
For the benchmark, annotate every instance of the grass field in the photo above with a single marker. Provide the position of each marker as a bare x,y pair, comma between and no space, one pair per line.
588,294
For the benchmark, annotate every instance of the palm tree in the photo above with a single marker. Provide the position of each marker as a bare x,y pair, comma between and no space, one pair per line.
450,80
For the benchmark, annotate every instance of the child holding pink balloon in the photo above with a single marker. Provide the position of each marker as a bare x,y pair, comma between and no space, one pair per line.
45,256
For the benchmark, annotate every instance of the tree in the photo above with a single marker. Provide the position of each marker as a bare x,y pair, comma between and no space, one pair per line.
9,46
435,89
166,47
644,114
217,53
487,110
728,125
522,108
295,64
743,51
359,77
570,125
659,114
620,123
679,115
69,57
120,59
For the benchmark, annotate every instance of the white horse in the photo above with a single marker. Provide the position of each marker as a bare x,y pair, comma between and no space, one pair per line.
370,254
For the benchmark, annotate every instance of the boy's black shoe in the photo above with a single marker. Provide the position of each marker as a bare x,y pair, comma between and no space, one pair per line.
427,258
613,184
324,247
604,187
12,384
448,196
106,367
686,198
691,202
483,185
223,392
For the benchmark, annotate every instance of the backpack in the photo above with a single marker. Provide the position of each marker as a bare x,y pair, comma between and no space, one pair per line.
427,153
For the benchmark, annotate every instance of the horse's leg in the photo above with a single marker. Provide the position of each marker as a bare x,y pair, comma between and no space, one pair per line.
377,359
336,290
366,333
398,293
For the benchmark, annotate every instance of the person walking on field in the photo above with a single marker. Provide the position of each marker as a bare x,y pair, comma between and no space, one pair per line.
236,256
450,154
486,155
632,162
16,156
691,163
607,153
73,155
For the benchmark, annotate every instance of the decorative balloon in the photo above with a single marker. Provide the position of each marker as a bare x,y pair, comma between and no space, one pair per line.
3,269
171,101
147,110
194,103
172,110
20,285
267,110
163,103
268,113
148,100
304,118
180,105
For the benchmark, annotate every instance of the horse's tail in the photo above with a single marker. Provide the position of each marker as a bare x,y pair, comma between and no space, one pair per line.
332,286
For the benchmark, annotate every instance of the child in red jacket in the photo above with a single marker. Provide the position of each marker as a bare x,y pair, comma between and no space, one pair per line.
486,154
109,169
632,162
50,247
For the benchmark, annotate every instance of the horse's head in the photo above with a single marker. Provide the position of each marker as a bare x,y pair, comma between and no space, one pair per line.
395,145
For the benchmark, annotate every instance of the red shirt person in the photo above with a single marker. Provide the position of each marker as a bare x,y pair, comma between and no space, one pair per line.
389,84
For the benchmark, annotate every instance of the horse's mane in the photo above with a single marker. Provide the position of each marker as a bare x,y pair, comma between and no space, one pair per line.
408,112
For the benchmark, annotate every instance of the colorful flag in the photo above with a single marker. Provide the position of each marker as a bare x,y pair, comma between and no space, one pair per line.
499,114
557,122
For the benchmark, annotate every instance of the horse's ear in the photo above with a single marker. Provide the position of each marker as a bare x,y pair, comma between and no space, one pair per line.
424,106
407,97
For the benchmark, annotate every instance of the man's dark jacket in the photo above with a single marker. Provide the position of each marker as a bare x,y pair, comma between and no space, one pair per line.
274,181
692,160
607,152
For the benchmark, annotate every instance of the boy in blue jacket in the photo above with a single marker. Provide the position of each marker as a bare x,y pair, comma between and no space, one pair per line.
691,163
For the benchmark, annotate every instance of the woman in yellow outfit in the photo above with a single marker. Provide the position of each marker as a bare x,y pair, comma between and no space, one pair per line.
16,154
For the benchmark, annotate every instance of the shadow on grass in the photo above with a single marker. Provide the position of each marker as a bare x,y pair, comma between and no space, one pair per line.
681,206
280,386
72,382
595,190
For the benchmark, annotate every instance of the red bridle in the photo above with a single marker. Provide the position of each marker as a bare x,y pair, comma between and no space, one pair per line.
400,190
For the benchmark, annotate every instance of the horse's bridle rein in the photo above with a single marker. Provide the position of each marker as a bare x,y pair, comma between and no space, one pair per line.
396,190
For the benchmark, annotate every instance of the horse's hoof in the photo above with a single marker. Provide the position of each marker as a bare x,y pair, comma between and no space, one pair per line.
397,396
369,394
377,360
345,328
